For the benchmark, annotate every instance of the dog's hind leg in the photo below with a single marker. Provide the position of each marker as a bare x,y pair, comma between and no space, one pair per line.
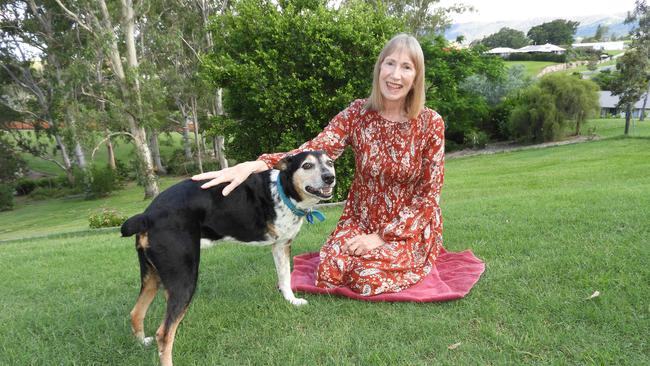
179,274
282,258
149,284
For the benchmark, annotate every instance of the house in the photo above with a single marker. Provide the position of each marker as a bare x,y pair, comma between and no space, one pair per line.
501,51
602,46
608,106
546,48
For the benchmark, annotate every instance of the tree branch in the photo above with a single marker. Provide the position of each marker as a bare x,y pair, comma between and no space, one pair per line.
74,17
92,156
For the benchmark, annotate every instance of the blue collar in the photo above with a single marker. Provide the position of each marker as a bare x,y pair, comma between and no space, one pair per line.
310,214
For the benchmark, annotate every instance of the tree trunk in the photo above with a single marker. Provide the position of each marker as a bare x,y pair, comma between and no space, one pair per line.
111,151
66,159
578,123
140,137
155,152
219,141
187,145
81,156
645,102
219,145
197,136
628,115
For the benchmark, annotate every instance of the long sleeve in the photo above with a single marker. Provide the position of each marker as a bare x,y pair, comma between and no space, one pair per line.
333,139
425,203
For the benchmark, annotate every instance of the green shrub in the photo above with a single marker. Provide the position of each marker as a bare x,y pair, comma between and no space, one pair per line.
6,196
551,57
106,217
177,164
43,193
103,181
535,117
48,182
25,186
476,139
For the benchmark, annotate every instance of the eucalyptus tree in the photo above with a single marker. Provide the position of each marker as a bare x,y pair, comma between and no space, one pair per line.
35,56
421,17
114,31
640,16
631,82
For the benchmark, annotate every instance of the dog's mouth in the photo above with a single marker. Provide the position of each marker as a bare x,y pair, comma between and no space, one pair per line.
323,192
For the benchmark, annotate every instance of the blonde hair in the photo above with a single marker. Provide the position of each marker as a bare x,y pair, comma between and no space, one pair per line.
415,98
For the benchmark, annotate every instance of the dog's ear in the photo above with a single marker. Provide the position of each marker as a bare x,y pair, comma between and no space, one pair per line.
284,163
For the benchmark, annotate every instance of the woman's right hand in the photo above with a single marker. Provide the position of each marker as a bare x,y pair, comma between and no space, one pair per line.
235,175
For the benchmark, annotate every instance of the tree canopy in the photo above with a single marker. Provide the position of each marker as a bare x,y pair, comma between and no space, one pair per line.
558,32
506,37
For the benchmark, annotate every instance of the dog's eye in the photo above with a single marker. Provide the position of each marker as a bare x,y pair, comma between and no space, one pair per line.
307,165
329,163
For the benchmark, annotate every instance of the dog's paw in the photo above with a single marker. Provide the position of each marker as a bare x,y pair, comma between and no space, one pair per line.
298,302
147,341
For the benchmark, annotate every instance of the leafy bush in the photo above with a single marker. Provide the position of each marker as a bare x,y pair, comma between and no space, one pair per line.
11,168
178,165
534,118
103,181
25,186
461,103
289,67
551,57
476,139
43,193
6,196
106,217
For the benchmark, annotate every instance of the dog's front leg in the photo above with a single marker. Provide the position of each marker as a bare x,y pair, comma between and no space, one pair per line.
282,258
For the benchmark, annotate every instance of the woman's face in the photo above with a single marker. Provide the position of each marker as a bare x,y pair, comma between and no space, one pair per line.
396,76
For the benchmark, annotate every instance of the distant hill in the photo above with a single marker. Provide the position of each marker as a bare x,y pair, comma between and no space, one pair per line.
587,27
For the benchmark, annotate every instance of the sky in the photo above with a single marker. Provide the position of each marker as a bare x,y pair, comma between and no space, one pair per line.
496,10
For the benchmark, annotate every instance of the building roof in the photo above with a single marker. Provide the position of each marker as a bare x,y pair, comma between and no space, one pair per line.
541,48
607,100
501,50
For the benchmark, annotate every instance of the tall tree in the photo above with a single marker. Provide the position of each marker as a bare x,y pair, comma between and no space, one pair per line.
558,32
640,16
575,99
32,32
422,17
99,22
632,83
506,37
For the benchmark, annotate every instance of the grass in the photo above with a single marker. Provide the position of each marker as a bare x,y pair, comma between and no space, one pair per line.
532,68
124,151
614,127
553,226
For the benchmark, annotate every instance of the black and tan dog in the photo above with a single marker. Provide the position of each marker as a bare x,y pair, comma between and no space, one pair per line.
170,230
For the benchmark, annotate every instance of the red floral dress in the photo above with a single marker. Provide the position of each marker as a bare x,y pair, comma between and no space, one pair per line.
395,193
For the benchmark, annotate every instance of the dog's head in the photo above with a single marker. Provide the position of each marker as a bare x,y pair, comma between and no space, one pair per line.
308,176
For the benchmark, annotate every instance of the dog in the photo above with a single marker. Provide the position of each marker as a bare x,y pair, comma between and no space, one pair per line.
266,209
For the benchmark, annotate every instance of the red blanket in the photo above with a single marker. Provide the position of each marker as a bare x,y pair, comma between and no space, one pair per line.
451,278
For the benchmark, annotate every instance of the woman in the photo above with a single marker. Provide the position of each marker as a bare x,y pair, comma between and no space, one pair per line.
390,232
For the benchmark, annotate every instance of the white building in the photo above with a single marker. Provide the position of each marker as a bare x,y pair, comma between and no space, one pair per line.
603,46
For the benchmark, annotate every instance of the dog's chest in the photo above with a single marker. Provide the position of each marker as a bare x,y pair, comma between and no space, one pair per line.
286,224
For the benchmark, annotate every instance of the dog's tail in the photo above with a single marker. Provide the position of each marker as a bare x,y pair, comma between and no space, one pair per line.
136,224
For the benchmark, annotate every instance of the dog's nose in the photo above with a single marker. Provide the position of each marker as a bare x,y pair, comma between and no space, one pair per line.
328,178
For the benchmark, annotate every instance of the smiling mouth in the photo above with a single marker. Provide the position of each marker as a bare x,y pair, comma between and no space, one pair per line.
393,86
324,192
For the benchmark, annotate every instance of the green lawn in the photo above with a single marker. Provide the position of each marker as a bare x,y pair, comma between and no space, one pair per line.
553,226
532,68
124,151
612,127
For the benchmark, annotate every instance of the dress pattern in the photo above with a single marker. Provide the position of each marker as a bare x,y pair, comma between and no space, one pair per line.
399,169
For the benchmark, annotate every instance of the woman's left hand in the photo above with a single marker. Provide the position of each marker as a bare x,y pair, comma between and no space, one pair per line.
362,244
